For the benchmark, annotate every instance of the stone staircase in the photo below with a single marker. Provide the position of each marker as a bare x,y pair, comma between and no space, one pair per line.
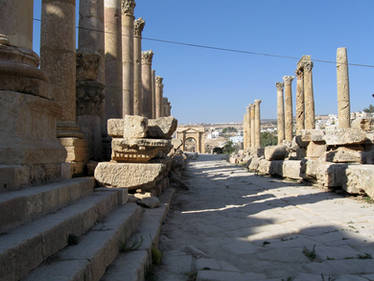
71,231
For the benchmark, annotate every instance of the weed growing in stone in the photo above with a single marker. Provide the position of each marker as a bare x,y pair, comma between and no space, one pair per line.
156,256
365,256
131,245
330,277
310,254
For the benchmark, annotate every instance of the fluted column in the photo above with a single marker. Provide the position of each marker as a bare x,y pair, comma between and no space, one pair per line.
309,95
16,22
344,107
158,98
127,9
288,112
300,103
147,57
138,86
280,112
253,126
58,60
257,124
113,59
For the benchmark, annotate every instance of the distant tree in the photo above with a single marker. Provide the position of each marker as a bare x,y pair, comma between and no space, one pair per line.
229,130
268,139
229,147
369,109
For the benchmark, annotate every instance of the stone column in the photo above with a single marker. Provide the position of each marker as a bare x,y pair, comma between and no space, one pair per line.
344,107
127,9
249,126
147,57
158,98
257,124
300,104
308,93
138,86
253,126
113,59
288,112
29,152
58,61
245,132
91,75
164,109
169,108
280,111
153,94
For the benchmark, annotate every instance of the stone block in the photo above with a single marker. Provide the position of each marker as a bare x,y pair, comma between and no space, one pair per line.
276,168
253,164
139,150
365,124
312,135
276,152
115,128
360,180
349,136
264,167
316,150
135,126
130,175
13,177
168,125
293,169
325,173
345,155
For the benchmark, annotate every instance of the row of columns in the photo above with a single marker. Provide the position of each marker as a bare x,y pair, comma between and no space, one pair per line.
252,126
305,108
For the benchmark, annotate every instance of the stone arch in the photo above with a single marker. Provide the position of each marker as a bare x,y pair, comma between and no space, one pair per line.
196,133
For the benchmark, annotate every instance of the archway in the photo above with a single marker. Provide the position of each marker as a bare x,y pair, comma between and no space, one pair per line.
190,144
187,134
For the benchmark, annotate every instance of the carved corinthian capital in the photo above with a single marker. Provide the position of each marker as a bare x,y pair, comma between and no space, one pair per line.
308,66
258,102
288,79
299,74
279,85
159,80
147,57
127,7
138,27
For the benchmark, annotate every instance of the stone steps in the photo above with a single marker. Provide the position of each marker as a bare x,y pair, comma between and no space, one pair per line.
134,263
26,247
19,207
96,250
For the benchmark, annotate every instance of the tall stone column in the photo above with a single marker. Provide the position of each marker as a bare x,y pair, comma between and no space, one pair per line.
280,112
164,109
91,76
158,98
58,61
344,107
307,66
288,112
127,9
113,59
153,94
257,124
29,152
248,109
253,126
300,103
147,57
169,108
245,131
138,86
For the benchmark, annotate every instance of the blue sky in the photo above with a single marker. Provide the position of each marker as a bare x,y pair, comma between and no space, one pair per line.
215,86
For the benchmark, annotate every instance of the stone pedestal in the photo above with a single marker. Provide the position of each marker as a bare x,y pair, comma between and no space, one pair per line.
158,98
147,57
253,128
257,124
29,151
127,9
280,112
288,112
344,107
113,59
300,103
138,86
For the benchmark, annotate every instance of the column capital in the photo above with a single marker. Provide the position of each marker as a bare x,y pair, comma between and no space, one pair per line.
147,57
288,79
279,85
159,80
127,7
299,74
257,102
308,66
138,27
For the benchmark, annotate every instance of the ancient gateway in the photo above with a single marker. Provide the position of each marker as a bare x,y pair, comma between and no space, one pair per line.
196,134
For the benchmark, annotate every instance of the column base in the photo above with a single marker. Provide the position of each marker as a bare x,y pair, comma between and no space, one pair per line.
77,154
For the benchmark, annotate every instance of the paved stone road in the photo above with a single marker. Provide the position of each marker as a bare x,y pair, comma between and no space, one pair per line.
232,226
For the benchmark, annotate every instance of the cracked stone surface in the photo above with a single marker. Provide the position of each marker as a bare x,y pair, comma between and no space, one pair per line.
234,225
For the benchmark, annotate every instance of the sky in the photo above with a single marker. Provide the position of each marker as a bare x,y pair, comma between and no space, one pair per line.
213,86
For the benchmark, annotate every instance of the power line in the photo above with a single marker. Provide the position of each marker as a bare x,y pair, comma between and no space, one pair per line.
246,52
